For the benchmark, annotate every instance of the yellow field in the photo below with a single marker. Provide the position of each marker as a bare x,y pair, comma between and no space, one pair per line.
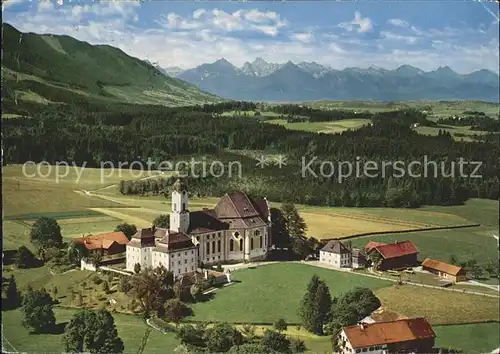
439,306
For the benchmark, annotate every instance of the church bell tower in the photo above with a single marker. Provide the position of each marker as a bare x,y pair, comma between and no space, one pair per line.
179,216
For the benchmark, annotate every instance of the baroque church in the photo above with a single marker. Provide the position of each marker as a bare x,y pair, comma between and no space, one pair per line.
238,229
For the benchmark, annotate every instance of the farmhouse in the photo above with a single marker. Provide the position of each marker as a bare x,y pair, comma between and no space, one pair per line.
236,230
335,254
395,255
406,335
108,244
444,270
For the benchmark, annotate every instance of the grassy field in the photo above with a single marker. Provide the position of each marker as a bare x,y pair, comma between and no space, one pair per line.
482,211
439,306
472,338
322,127
453,130
130,328
435,108
267,293
323,222
465,244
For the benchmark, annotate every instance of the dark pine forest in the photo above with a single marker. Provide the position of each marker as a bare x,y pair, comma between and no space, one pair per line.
92,132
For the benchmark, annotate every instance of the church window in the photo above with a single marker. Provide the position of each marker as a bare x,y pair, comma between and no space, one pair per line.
198,238
213,246
185,261
208,247
175,206
218,246
183,206
179,262
257,233
231,245
236,234
260,242
251,243
241,245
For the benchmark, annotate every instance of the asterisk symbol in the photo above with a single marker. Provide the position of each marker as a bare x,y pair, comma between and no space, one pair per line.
280,161
262,162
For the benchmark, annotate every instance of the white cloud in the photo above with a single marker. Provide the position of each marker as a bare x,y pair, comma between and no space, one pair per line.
396,37
202,36
197,14
362,25
398,22
174,21
305,37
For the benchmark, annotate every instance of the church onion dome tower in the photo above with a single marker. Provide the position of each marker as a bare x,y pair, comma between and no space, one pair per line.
179,186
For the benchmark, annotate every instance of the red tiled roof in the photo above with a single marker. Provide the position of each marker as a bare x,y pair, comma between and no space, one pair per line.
372,244
102,241
397,249
442,266
380,333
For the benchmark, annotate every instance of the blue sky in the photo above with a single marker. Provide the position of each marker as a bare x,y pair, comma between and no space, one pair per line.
426,34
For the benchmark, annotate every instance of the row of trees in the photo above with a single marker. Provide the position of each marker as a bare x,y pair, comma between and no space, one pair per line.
321,314
476,122
224,338
133,134
88,331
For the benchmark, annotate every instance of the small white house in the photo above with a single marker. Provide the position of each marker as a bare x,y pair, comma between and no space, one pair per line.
334,253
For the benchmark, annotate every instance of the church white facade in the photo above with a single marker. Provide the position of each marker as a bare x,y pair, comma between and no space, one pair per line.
238,229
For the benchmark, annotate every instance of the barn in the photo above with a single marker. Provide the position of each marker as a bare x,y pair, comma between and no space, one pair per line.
395,255
444,270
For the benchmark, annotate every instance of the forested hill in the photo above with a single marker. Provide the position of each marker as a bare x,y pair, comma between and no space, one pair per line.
50,68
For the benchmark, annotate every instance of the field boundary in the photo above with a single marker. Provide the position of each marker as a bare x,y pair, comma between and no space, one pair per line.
366,234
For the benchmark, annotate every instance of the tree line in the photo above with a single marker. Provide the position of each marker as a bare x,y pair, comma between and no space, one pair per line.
138,133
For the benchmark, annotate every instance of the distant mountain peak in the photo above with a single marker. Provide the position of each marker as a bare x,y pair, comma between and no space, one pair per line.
223,61
260,61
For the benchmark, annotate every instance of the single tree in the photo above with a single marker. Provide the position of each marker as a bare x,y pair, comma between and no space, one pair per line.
315,306
95,258
280,325
176,310
93,332
76,252
221,337
151,288
13,296
281,238
46,232
137,268
38,314
294,223
275,341
105,287
128,229
193,337
162,221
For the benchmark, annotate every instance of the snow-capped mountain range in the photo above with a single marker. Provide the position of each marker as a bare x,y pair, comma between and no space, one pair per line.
263,81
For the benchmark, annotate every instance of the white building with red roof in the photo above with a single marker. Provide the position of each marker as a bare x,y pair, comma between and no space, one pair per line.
413,335
238,229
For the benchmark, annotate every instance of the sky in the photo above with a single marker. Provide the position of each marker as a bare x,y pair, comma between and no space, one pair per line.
463,35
